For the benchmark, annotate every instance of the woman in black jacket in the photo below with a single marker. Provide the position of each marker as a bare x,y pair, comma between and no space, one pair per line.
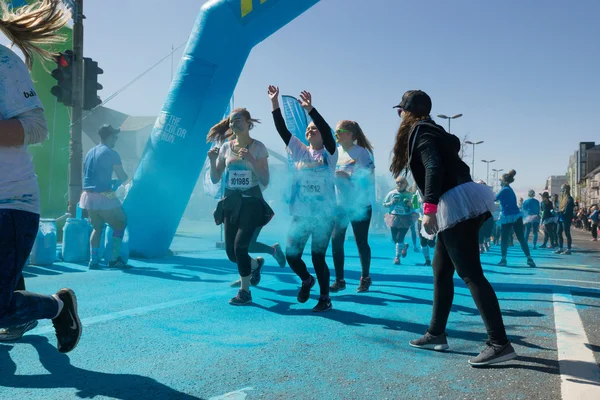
455,208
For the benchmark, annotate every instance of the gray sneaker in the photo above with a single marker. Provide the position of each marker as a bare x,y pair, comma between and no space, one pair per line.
15,333
430,342
494,354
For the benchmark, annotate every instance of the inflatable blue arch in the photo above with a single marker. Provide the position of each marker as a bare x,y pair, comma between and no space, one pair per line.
219,45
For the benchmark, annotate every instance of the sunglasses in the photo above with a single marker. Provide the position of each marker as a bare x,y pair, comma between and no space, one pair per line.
342,131
399,112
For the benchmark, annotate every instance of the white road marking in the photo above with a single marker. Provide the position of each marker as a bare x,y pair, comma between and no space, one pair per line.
579,373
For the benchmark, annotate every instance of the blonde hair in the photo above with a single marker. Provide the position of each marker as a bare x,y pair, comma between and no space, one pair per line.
31,26
357,134
221,131
400,152
564,197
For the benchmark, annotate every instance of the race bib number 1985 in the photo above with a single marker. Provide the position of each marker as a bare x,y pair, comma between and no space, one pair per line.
240,180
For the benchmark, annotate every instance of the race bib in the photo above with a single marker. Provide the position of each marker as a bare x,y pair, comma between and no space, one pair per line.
239,180
312,187
401,210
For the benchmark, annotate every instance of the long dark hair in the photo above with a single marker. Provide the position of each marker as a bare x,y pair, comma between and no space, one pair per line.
401,147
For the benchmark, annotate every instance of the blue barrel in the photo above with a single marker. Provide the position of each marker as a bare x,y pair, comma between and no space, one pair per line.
44,247
76,241
221,40
108,245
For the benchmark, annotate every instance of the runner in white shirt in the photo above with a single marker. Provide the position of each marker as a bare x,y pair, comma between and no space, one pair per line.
355,183
313,197
22,123
244,161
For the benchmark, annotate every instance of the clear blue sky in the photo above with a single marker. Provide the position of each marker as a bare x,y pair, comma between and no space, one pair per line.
523,73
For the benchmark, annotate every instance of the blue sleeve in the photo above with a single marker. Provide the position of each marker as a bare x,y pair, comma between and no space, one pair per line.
116,158
501,194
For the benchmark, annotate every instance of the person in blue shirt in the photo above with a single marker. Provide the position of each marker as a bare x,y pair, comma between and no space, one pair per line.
594,222
565,208
99,198
531,210
511,218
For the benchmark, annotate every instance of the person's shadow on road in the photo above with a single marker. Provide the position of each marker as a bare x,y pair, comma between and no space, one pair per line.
88,383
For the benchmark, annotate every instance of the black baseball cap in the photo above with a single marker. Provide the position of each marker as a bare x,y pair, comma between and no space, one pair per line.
417,102
107,130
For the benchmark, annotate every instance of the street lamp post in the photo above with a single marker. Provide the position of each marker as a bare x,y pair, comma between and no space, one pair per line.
473,162
496,171
442,116
488,168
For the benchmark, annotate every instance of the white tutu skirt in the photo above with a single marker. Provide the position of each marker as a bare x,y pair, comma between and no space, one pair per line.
509,219
464,202
531,219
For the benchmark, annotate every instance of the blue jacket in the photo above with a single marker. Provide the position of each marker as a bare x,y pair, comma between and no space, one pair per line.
508,201
531,206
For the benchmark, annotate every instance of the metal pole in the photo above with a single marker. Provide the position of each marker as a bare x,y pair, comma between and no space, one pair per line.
449,119
488,173
473,162
76,150
172,56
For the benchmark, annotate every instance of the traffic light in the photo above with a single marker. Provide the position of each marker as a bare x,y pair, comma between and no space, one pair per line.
90,83
64,76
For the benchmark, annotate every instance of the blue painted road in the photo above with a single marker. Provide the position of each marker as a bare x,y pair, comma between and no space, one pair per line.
164,330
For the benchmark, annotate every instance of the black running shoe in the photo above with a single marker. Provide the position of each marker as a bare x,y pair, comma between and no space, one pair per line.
94,265
279,256
530,262
118,264
567,252
15,333
365,284
304,292
67,324
324,304
427,263
337,286
494,354
255,279
502,262
430,342
241,299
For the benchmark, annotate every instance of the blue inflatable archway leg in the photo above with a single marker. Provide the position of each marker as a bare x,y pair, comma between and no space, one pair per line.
223,36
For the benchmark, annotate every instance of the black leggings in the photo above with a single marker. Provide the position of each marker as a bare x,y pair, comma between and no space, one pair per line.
594,228
238,234
399,234
564,226
458,249
519,232
301,230
257,247
486,231
550,234
361,236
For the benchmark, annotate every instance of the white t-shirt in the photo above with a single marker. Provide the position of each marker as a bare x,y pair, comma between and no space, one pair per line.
240,174
359,190
313,192
18,183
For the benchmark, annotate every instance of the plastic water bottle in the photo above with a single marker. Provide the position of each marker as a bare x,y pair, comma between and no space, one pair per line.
76,241
44,247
